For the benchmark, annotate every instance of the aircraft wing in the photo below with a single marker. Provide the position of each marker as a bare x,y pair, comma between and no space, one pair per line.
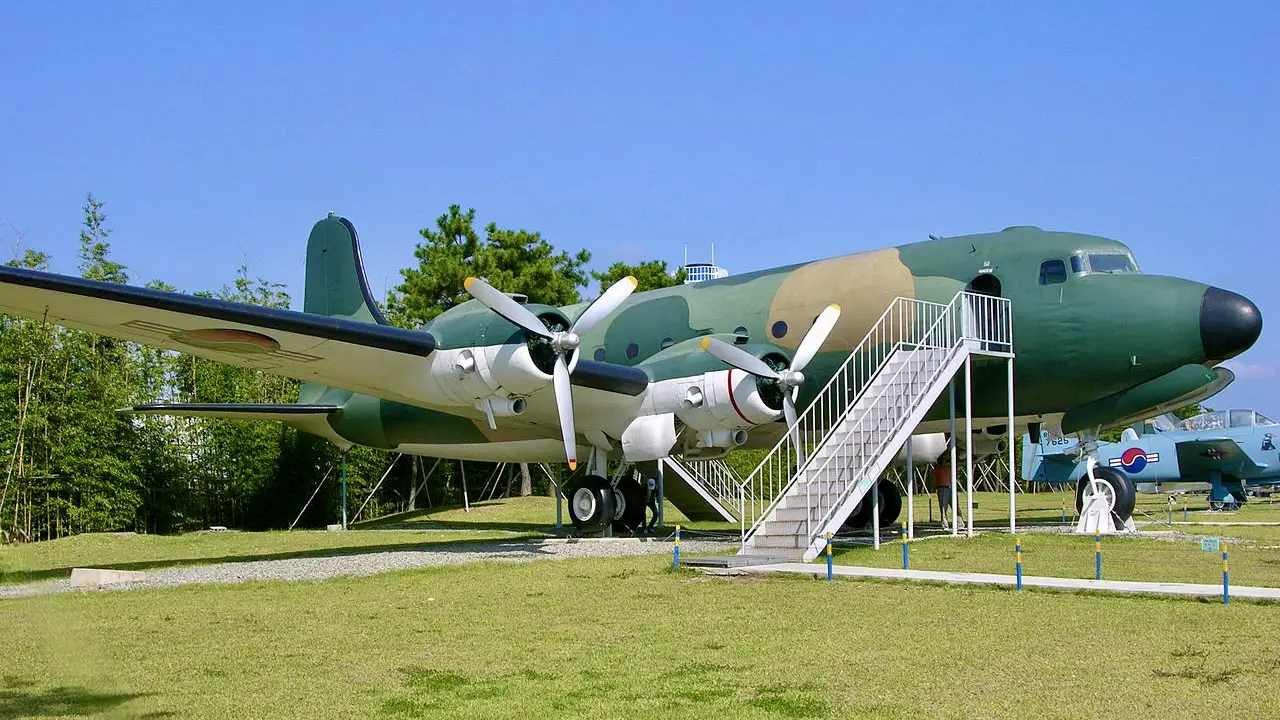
352,355
1198,458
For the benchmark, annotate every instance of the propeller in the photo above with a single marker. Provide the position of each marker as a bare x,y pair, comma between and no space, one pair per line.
564,343
790,379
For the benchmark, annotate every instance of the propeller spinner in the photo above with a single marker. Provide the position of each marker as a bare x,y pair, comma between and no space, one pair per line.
564,343
789,379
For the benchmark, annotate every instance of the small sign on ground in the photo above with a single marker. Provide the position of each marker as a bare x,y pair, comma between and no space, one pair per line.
1209,544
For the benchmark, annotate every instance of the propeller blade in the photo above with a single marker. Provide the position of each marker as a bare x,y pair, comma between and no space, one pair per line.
564,405
502,304
817,335
738,358
789,410
601,307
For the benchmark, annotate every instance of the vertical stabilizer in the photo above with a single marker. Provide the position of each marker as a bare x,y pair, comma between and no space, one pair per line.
335,284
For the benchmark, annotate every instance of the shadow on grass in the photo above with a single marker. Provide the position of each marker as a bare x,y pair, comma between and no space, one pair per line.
459,546
19,700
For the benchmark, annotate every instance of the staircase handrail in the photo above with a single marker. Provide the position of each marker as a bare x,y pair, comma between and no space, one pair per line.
874,338
951,342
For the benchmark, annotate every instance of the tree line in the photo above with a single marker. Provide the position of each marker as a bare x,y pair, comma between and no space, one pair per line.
73,463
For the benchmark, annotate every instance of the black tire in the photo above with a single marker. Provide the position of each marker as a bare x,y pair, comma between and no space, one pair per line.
590,503
1241,496
628,512
890,504
890,509
1121,485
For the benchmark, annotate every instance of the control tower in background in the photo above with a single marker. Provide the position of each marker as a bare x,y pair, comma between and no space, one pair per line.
697,272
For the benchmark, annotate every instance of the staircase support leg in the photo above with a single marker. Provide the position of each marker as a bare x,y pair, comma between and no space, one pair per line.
911,494
955,507
968,442
875,513
1013,480
661,497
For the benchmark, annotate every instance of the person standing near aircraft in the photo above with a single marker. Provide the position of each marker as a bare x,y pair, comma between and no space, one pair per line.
942,481
651,503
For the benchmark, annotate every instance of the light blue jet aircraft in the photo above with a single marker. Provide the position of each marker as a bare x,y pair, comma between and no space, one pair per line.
1224,451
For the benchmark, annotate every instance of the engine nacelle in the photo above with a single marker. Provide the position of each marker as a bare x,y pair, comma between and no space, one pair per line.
467,375
723,400
925,449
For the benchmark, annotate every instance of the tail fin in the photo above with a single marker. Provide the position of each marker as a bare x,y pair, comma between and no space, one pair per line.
1050,460
336,285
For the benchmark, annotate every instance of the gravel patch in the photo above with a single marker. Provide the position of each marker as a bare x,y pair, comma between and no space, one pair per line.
349,564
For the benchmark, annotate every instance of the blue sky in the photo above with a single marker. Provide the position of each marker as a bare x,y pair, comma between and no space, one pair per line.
217,135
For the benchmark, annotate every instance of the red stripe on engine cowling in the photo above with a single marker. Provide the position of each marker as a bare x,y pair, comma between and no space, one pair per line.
733,402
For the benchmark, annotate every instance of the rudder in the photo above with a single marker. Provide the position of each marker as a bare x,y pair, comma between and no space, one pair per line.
335,282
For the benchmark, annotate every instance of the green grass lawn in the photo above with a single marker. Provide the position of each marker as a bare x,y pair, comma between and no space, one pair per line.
628,638
992,508
126,551
1252,561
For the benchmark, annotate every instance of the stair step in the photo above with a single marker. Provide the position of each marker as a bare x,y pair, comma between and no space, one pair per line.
796,542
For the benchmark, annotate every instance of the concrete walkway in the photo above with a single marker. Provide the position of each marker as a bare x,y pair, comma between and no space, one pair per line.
1115,586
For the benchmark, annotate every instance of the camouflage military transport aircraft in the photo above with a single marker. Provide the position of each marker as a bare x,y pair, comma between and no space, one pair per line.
697,369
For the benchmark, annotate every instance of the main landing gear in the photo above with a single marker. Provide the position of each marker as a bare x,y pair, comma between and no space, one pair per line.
596,504
890,508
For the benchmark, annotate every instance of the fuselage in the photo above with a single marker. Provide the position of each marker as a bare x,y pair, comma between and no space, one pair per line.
1090,332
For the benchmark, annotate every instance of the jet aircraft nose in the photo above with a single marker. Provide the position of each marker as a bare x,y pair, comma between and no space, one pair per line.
1229,324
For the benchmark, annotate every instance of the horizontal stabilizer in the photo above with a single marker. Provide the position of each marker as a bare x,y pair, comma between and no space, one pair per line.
313,419
232,411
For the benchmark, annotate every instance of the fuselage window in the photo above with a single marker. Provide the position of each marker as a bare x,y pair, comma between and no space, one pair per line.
1077,264
666,343
1053,272
599,355
632,351
779,329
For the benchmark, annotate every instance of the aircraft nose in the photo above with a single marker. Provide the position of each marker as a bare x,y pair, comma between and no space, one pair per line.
1229,324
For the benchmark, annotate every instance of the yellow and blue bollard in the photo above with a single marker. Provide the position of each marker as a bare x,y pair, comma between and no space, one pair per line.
1226,586
829,567
1097,556
1017,560
675,557
904,546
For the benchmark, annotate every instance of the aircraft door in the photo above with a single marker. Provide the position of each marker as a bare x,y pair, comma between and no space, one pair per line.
977,316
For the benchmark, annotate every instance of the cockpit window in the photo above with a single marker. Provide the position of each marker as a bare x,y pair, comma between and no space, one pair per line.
1261,419
1111,263
1241,418
1052,272
1215,420
1077,263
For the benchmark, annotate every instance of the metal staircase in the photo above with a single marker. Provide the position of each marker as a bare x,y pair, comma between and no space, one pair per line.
702,489
815,476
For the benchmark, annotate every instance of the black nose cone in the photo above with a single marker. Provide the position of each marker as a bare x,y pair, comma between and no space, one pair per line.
1229,324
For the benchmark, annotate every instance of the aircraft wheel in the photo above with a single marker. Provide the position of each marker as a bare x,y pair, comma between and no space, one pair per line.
628,499
1240,496
1120,487
890,508
890,504
590,503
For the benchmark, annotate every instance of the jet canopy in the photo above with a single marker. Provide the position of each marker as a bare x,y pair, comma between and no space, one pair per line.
1223,419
